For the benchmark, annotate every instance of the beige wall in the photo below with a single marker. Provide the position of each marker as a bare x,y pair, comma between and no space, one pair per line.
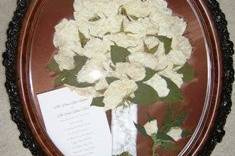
9,142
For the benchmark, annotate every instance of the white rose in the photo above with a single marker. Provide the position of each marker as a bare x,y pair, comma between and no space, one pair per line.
123,40
147,60
71,48
151,127
177,57
137,8
94,6
102,84
172,75
117,91
159,84
83,15
100,27
91,72
65,33
113,23
175,133
163,62
64,62
134,70
172,26
142,27
152,42
89,29
160,6
97,48
183,45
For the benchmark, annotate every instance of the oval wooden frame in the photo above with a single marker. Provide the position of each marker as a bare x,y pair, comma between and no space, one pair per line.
39,144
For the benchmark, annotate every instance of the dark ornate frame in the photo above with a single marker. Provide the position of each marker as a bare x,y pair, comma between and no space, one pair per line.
9,61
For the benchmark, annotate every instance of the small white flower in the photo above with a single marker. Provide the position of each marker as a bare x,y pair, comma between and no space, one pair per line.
151,127
158,84
117,91
175,133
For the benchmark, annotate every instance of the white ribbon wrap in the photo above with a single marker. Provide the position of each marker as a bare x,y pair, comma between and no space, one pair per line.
124,132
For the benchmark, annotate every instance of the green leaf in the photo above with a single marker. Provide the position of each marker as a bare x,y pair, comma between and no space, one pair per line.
168,121
83,39
163,140
70,76
169,145
124,154
107,33
187,71
149,73
145,95
98,101
168,115
112,67
119,54
79,62
111,79
151,50
122,29
146,48
180,119
175,94
123,11
135,18
167,43
95,18
53,66
171,120
141,129
163,137
102,91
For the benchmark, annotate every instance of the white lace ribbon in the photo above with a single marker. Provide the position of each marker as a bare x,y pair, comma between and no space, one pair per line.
124,132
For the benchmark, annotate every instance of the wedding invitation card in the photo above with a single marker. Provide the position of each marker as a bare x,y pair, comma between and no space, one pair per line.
76,128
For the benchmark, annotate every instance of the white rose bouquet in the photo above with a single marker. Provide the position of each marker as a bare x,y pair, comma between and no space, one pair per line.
123,52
